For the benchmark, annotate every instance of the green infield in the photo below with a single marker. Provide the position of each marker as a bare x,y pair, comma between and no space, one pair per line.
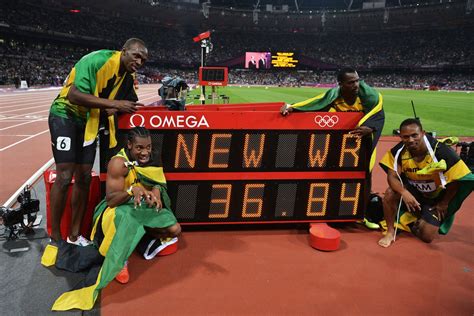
446,113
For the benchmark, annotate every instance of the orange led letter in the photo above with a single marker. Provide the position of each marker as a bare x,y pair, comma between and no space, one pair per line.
353,151
315,155
190,157
221,151
254,159
320,198
217,200
354,199
255,200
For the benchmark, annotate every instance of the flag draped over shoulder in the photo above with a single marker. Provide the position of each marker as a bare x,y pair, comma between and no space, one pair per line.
109,84
116,233
372,103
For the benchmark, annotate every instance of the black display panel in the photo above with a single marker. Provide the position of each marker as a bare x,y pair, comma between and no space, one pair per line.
213,74
263,168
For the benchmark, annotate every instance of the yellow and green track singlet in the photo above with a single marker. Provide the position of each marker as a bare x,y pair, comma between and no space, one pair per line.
430,185
97,74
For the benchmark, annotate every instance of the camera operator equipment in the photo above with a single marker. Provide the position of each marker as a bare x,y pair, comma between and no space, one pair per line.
173,93
14,219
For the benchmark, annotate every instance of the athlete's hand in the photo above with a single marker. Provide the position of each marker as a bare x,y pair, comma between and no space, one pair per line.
110,112
126,106
410,202
152,200
361,131
149,197
286,109
138,193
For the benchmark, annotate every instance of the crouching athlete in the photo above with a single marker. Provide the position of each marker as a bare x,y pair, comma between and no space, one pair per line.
430,179
136,207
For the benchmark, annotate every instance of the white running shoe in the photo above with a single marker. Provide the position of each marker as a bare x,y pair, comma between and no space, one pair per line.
158,245
80,241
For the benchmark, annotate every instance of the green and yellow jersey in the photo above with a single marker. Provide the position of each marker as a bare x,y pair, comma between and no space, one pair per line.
430,184
340,105
96,74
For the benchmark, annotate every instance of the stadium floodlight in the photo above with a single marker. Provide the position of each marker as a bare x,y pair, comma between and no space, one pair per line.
205,9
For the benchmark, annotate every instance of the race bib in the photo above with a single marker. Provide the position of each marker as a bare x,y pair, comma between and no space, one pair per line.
424,186
63,143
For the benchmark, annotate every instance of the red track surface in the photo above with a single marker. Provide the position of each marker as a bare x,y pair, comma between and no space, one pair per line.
24,135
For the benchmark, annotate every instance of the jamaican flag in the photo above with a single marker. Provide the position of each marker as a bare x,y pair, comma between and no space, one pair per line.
116,233
372,101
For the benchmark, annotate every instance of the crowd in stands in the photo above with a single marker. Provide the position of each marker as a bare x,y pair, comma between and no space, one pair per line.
383,57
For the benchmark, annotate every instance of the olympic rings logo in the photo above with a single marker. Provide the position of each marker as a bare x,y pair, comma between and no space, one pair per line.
326,120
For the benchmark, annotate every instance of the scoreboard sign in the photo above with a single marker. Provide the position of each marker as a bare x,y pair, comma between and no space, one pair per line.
213,76
248,164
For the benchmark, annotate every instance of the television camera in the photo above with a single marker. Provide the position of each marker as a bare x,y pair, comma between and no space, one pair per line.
173,92
14,219
467,153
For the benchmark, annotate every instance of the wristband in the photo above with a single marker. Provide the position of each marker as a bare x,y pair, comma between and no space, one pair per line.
130,191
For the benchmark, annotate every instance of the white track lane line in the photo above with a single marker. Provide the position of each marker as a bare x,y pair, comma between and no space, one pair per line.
21,109
22,115
5,128
23,140
11,201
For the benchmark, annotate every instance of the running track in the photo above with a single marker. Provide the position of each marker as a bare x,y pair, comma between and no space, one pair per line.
24,134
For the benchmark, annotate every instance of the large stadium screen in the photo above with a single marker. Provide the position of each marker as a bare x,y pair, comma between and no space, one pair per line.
284,60
267,60
258,60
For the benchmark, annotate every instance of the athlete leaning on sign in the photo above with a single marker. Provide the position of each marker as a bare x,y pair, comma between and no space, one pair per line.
430,179
352,95
100,81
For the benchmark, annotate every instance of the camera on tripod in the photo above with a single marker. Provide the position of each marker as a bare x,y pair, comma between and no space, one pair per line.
11,218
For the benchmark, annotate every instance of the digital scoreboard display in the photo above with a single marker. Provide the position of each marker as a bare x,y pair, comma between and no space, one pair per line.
213,76
284,60
248,164
267,60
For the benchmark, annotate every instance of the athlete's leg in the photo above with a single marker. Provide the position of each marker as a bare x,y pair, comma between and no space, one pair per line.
80,198
425,231
390,201
58,196
63,141
171,231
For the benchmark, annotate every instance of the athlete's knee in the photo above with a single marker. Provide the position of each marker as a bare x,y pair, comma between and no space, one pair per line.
390,196
426,237
174,230
425,231
63,179
83,178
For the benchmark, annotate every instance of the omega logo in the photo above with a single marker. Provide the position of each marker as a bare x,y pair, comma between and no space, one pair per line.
178,121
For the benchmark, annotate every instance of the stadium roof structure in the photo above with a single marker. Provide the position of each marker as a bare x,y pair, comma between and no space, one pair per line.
279,6
305,5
